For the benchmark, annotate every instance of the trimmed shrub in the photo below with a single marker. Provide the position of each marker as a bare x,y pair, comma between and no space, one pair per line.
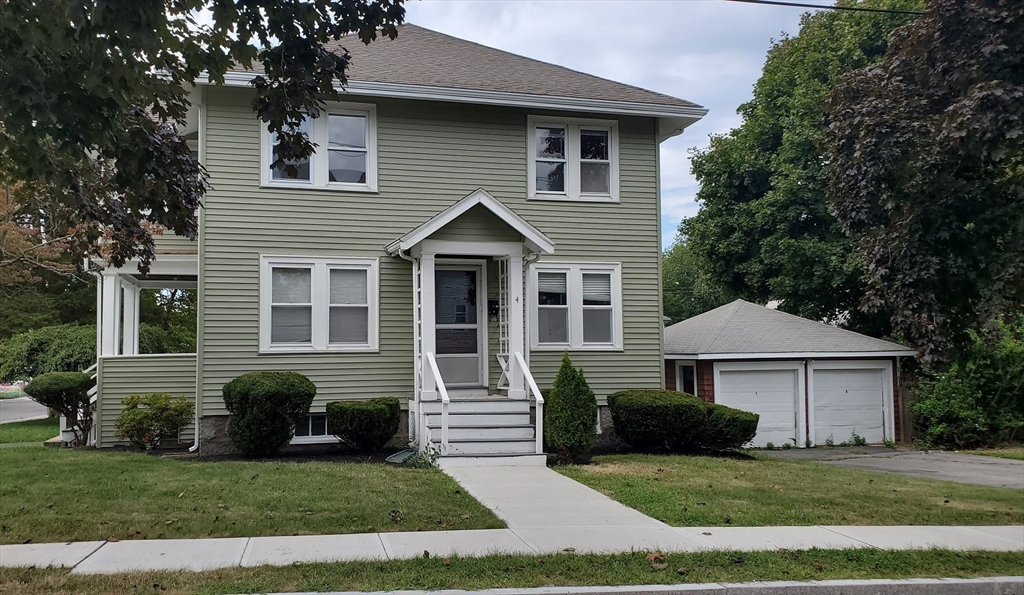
147,419
570,415
64,348
67,393
665,420
726,428
264,407
658,419
365,425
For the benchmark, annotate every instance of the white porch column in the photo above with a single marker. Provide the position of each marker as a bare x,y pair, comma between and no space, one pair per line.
516,340
130,318
427,312
111,315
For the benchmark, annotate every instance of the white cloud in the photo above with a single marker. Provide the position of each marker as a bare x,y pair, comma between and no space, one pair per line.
703,51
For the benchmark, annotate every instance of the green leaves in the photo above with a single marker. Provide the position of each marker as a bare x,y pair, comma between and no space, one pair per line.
94,93
928,171
765,229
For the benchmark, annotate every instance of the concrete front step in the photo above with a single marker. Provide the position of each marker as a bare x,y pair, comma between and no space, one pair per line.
469,446
485,405
482,432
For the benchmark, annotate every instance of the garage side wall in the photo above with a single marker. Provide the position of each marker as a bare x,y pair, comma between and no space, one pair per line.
670,374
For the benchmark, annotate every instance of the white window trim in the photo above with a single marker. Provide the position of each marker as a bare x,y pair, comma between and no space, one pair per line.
683,363
574,283
318,168
572,162
321,302
325,439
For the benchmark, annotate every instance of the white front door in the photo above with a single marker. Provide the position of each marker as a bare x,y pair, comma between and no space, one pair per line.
460,324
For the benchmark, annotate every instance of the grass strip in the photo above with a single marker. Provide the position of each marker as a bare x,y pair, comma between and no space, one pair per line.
694,491
121,495
523,572
35,430
1005,452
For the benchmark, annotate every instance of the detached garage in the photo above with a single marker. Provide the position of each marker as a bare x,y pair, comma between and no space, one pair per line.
810,382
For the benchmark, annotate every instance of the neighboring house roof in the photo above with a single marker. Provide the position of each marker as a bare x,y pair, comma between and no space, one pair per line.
742,330
425,64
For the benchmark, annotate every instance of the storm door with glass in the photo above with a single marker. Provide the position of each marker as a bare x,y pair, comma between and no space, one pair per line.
459,324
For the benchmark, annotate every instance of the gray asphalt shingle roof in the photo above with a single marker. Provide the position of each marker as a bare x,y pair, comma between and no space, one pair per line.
423,57
741,327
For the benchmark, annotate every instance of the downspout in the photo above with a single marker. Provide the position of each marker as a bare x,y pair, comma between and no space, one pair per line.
414,409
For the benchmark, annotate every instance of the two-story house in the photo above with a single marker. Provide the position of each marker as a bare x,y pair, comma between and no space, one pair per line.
469,216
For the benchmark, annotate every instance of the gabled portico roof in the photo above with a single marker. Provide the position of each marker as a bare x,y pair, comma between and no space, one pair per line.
532,237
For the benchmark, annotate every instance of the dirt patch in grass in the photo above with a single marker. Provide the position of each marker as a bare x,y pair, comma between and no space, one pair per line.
122,495
713,491
524,572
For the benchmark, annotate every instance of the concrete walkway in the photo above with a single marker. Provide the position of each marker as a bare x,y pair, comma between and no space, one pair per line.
99,557
546,513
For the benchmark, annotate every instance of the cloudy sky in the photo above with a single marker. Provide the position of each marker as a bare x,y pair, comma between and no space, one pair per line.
706,51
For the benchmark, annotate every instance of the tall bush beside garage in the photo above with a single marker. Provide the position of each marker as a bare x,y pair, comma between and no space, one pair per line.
570,415
264,407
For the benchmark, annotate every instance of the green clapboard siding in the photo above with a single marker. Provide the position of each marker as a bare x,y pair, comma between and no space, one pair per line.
430,156
139,374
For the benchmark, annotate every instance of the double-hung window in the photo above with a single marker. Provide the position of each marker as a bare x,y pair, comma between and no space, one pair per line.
318,304
576,306
345,157
573,159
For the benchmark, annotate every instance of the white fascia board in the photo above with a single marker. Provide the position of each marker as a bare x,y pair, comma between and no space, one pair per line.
680,116
162,264
533,237
794,355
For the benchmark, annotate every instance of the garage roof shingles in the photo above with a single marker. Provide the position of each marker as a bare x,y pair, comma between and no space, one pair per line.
427,58
744,328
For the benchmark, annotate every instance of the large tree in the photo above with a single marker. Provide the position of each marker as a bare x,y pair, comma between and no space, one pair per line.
688,289
927,171
92,93
765,227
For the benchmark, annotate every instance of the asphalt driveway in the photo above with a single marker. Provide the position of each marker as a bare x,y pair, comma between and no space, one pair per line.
20,409
947,466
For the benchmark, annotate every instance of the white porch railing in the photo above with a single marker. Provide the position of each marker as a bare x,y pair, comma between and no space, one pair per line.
445,400
535,391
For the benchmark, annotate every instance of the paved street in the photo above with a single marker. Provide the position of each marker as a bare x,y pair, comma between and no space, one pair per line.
20,409
947,466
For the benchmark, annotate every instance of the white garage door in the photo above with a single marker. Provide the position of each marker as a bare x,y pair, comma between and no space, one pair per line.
848,401
768,393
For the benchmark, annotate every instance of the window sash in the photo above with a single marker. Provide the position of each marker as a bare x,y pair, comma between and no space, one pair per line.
573,174
361,330
578,329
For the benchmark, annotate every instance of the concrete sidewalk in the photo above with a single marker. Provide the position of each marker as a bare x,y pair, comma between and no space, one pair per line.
98,557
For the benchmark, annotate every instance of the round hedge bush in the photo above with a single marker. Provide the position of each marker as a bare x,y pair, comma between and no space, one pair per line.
67,393
264,407
365,425
665,420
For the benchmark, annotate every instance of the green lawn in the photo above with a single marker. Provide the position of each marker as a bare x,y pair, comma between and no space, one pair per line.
36,430
49,495
1003,452
523,572
711,491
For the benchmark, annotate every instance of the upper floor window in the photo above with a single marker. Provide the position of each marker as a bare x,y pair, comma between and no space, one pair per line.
573,159
318,304
576,306
345,156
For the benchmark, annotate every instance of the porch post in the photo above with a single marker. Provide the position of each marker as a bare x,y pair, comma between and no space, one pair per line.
516,341
130,318
427,318
109,322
